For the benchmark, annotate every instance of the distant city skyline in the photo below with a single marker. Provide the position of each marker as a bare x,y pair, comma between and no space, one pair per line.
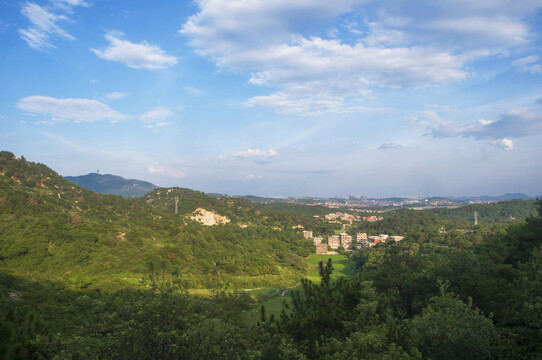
279,98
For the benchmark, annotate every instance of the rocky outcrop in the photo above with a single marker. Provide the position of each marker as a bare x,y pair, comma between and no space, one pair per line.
208,218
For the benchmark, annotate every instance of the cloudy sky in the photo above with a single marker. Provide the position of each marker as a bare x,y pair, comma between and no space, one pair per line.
283,97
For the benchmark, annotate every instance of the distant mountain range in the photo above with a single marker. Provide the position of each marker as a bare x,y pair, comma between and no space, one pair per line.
112,184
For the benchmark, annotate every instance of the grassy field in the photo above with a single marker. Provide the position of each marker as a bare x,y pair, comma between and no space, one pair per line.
342,266
274,298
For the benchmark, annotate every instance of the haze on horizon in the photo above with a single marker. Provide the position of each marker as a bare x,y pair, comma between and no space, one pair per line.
286,98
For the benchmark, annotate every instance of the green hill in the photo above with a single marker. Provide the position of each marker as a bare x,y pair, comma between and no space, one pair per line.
51,228
111,184
500,212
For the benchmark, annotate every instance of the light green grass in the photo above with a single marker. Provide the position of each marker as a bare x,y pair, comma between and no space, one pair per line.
273,298
342,266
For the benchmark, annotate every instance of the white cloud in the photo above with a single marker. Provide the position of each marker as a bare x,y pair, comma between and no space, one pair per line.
281,102
156,117
159,169
116,95
389,146
505,143
430,44
515,123
438,127
254,177
530,64
291,101
484,122
256,154
73,2
43,26
193,91
68,5
76,110
137,56
444,108
45,22
491,33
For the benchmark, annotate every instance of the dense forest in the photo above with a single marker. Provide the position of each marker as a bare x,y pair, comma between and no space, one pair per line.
72,287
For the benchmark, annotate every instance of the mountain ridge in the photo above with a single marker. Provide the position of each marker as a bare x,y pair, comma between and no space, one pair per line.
113,184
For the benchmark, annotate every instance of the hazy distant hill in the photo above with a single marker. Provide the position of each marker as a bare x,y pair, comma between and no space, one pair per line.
111,184
510,197
504,197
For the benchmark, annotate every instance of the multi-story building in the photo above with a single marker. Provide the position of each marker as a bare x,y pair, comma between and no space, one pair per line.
317,240
346,240
307,234
321,248
333,241
331,217
361,237
397,238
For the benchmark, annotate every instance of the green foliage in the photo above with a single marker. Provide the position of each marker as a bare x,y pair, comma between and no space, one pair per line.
450,329
338,318
498,269
23,332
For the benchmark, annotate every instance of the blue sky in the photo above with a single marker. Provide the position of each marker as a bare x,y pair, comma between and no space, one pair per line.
291,98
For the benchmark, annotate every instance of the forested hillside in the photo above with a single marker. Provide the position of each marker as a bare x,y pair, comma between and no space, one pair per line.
500,212
54,229
438,221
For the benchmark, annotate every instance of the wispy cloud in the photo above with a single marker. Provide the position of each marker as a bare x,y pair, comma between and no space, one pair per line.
530,64
505,143
45,22
117,95
76,110
433,44
67,5
389,146
256,154
156,117
515,123
291,101
159,169
194,91
138,56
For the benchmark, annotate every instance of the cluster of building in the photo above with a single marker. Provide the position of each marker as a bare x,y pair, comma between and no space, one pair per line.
350,218
332,243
